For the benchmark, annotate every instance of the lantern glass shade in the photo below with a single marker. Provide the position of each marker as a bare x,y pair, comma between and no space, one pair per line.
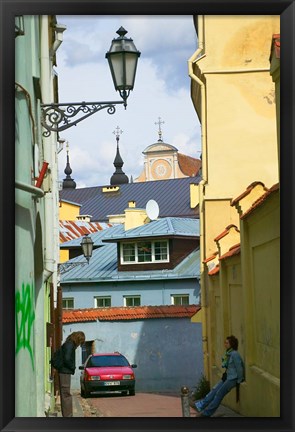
122,58
87,246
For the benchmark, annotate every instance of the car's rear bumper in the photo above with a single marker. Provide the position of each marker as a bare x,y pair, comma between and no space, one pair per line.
91,386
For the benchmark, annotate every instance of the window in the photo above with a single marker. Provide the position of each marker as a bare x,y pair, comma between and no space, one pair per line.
131,300
144,252
68,303
128,252
102,302
180,299
161,251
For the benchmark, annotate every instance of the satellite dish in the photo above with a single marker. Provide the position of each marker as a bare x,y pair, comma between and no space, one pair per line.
152,209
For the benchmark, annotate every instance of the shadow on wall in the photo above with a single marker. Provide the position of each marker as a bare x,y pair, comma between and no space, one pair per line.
169,355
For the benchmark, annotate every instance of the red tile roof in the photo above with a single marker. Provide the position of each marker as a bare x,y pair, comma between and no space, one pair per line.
210,258
226,231
234,250
260,200
214,271
189,165
128,313
69,230
247,191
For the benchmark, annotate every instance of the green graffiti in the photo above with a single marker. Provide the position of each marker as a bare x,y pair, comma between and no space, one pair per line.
24,318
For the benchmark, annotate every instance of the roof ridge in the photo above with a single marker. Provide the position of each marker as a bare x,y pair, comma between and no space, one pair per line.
120,313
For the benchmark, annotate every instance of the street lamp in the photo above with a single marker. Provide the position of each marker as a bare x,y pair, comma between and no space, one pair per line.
122,58
87,248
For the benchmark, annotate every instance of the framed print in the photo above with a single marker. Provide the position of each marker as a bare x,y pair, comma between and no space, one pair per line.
166,302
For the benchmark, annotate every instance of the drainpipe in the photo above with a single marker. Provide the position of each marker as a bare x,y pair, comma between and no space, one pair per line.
47,97
50,150
194,58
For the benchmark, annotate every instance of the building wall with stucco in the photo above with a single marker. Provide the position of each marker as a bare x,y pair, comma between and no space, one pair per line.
234,95
68,210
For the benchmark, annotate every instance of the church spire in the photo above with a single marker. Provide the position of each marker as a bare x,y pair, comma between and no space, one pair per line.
119,177
68,182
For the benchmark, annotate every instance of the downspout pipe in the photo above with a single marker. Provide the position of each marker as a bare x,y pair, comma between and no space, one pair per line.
48,143
50,146
193,59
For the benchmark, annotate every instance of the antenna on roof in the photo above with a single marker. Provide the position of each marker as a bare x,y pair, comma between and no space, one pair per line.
152,209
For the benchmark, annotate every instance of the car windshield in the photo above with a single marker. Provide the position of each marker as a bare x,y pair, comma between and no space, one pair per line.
103,361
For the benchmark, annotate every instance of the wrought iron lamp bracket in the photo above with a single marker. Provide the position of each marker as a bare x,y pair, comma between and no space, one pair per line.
65,267
57,117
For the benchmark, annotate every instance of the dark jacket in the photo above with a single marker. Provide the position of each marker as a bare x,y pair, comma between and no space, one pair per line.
69,358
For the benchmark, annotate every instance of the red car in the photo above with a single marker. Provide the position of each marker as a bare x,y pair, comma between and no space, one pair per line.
107,372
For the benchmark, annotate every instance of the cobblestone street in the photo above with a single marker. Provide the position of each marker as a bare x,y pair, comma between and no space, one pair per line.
140,405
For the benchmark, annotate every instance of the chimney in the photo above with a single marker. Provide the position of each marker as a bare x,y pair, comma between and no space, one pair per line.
134,217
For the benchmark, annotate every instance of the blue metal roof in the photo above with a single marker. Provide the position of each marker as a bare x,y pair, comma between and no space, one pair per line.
102,267
172,196
177,227
103,263
166,227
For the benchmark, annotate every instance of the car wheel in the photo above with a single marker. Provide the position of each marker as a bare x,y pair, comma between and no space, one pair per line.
84,393
132,392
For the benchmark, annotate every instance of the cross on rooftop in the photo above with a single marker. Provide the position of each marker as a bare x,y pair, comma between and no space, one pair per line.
159,122
117,132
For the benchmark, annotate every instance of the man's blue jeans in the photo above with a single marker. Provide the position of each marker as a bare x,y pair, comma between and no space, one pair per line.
211,402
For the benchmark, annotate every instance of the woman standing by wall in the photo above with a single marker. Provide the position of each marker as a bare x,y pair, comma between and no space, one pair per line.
67,369
232,377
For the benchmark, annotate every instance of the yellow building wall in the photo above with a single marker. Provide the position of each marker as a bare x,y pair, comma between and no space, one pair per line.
261,281
239,147
63,255
218,214
240,101
68,211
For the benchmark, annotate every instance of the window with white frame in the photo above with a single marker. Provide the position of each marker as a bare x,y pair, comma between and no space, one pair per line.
68,303
180,299
131,300
102,302
144,252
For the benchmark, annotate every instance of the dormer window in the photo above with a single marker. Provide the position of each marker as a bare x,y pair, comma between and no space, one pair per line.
144,252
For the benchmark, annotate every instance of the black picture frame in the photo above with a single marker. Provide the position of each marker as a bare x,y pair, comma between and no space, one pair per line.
8,9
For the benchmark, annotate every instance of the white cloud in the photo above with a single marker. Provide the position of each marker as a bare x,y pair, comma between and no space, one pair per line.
162,89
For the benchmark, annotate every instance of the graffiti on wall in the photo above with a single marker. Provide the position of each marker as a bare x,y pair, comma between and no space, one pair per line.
24,319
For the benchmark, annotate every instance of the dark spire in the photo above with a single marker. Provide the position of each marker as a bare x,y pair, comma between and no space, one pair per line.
119,177
68,182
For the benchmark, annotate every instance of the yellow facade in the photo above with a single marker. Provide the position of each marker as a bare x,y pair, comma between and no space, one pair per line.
234,95
68,211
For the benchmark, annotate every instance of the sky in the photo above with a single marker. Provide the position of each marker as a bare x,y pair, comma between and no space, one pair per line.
161,90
